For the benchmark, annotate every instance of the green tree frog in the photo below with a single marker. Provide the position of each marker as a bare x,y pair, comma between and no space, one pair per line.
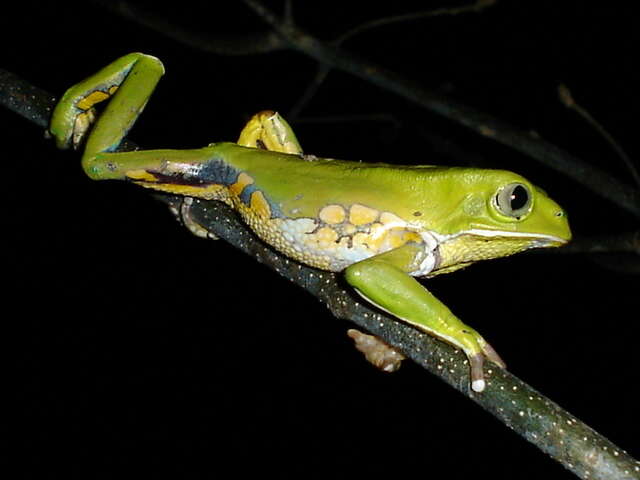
382,225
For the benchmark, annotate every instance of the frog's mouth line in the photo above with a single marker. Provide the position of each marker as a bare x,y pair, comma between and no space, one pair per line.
537,239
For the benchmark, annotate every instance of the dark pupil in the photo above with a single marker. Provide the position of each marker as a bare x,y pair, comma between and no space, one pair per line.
518,198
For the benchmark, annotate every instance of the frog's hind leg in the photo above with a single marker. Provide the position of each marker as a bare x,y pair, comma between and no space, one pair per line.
269,131
266,130
376,351
128,82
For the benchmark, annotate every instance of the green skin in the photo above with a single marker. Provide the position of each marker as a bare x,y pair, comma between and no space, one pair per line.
462,215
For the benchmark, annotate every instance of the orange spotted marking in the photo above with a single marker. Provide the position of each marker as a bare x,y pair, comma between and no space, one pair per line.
326,236
210,192
332,214
141,175
90,100
361,215
388,217
242,181
260,205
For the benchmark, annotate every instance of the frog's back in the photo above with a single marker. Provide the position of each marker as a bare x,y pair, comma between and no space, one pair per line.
301,185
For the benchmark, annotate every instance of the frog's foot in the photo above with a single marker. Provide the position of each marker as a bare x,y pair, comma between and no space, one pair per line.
490,353
183,215
476,362
267,130
81,126
477,372
76,134
377,352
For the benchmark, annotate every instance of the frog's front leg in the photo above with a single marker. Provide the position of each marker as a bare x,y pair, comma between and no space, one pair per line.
385,281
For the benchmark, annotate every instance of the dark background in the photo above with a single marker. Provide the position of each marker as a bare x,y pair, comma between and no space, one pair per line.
139,348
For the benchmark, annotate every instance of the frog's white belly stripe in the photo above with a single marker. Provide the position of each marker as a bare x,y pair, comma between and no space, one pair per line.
337,255
315,243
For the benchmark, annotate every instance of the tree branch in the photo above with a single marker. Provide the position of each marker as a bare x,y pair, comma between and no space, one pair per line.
244,43
476,7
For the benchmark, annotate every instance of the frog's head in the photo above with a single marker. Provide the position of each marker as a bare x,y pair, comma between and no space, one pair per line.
495,213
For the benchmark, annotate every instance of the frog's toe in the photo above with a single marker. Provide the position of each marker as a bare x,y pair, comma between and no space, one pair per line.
491,354
81,126
477,374
186,218
476,361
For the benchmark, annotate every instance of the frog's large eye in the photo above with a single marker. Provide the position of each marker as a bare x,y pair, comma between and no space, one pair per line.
514,200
